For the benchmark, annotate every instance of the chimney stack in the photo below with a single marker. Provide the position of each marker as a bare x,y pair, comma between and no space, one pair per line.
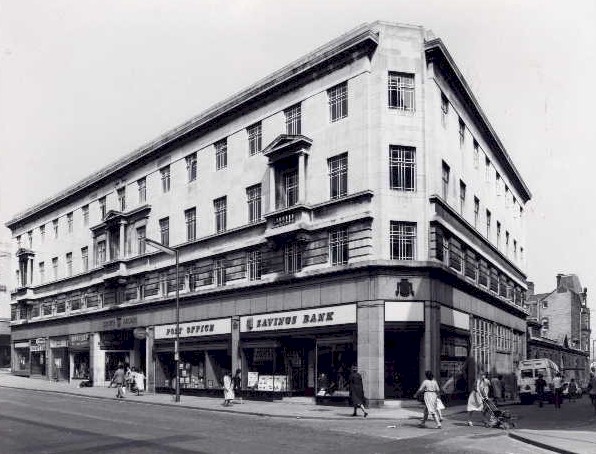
530,291
559,276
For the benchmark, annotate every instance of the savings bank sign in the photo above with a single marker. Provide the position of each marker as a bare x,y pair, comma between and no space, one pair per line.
307,318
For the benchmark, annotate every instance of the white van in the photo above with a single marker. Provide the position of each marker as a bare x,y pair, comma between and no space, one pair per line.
527,373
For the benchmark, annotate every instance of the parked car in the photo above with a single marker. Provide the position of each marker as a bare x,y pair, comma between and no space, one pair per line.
578,393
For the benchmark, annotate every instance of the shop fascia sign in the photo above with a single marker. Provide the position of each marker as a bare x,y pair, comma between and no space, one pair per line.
307,318
195,329
127,321
58,343
79,340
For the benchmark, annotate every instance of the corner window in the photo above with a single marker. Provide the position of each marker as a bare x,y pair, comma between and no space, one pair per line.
338,246
401,91
402,168
338,102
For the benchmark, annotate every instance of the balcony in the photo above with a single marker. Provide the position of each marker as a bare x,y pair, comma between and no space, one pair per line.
288,222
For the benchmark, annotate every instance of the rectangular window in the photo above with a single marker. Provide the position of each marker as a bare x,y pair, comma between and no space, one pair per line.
55,225
462,133
292,257
290,187
85,259
255,138
488,221
444,109
498,234
122,199
102,207
545,323
402,168
42,232
190,216
515,249
69,222
476,211
46,309
220,207
191,167
85,210
446,171
338,102
487,169
42,272
253,199
141,245
401,91
219,272
498,183
293,120
476,154
60,307
142,186
165,179
338,246
30,238
69,264
55,267
221,154
506,242
462,197
254,265
100,252
402,238
164,230
507,196
338,176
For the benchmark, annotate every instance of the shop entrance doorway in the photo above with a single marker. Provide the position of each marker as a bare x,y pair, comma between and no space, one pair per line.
402,363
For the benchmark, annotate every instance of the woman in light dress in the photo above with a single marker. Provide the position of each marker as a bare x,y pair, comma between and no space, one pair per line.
228,389
431,391
477,396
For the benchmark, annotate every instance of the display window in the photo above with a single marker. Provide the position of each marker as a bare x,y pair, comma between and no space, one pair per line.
113,360
22,359
267,369
402,363
199,369
334,364
60,364
81,366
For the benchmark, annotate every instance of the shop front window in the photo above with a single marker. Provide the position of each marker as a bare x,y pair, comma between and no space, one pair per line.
81,366
22,362
334,365
199,370
113,360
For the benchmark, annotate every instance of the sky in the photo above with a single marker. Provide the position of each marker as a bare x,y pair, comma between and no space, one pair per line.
83,82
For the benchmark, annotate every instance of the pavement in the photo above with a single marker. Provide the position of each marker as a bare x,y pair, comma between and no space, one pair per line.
562,441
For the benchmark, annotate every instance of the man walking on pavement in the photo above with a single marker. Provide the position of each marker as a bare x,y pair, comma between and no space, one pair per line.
540,384
118,379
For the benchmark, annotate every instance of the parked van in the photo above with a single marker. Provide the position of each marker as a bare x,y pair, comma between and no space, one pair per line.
527,373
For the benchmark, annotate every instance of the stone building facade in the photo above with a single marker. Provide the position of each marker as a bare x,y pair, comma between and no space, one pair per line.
355,207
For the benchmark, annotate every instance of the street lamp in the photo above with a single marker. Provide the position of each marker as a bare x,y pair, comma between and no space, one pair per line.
171,251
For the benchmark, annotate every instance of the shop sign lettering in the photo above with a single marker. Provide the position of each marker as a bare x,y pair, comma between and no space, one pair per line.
335,315
120,322
194,329
59,343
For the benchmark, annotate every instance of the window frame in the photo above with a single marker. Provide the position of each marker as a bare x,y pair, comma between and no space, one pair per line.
403,239
254,203
402,165
220,208
339,246
337,97
164,231
255,138
166,176
191,167
338,176
142,190
401,91
293,119
190,219
221,154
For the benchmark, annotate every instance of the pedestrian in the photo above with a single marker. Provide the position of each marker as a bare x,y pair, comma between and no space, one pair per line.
228,390
592,390
431,391
540,384
497,386
357,392
237,382
139,381
572,390
448,388
476,398
128,377
558,389
118,379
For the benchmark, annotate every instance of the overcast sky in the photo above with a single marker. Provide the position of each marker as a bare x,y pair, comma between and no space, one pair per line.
83,82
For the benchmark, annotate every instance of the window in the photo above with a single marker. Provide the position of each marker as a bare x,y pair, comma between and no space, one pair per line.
402,238
55,225
338,246
446,171
293,120
462,133
476,154
402,168
507,194
30,238
253,199
141,245
545,323
102,207
165,179
476,211
85,259
444,109
55,267
498,183
121,199
338,102
69,264
544,304
46,309
488,221
254,265
255,138
42,272
191,167
292,257
487,169
221,154
19,239
290,187
190,216
498,234
338,176
507,242
219,271
164,230
515,249
142,187
400,91
85,210
462,197
100,252
220,207
42,232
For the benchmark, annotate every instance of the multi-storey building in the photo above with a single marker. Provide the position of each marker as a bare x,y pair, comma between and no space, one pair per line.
559,326
355,207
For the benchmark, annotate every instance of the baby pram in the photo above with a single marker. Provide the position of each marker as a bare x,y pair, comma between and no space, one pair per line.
497,419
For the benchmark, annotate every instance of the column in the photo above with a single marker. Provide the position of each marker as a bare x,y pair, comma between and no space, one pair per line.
97,358
272,206
150,360
135,354
431,350
210,372
235,348
121,245
71,365
14,365
371,350
301,178
49,365
30,273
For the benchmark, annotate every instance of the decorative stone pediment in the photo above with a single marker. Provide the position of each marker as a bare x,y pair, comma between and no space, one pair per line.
286,145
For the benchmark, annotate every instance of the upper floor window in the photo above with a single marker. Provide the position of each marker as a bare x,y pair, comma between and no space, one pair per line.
142,187
545,323
141,244
219,272
488,222
402,240
462,197
191,167
122,199
55,267
444,109
42,272
400,91
462,132
30,238
402,168
42,232
487,169
255,138
292,257
69,264
165,178
102,207
498,234
515,249
445,172
100,252
85,258
507,242
190,216
19,240
164,230
254,265
293,119
476,211
85,210
290,187
338,175
339,246
498,183
476,154
55,225
338,101
221,154
220,207
253,199
507,196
